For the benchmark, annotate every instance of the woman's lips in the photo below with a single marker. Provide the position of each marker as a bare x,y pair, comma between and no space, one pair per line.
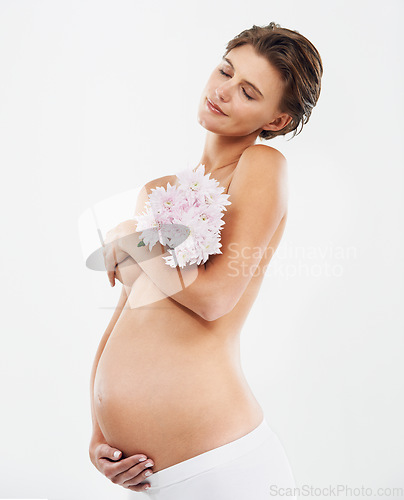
213,109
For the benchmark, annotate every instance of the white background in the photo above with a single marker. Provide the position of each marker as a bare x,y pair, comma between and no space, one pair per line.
98,97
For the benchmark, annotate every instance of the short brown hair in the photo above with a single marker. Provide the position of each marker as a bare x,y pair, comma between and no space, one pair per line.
299,65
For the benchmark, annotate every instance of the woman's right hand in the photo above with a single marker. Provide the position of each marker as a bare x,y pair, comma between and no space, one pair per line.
128,271
127,472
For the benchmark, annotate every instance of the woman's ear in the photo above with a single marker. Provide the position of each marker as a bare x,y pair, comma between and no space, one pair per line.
279,123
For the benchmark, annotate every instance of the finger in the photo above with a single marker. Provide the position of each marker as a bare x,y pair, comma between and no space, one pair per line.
109,258
139,487
112,470
118,275
106,451
126,273
135,474
111,277
110,265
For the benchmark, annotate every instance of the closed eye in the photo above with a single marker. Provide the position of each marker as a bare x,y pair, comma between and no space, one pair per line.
245,93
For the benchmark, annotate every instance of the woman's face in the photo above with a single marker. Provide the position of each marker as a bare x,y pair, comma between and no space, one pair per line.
247,109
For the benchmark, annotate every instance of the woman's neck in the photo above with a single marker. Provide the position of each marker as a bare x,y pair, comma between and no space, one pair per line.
223,152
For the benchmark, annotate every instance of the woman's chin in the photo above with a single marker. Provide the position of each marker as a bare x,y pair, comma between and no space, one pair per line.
209,126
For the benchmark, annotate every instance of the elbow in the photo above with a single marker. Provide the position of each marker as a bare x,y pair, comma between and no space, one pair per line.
209,315
214,309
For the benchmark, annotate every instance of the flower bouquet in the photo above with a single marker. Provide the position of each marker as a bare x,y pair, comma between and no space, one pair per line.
185,218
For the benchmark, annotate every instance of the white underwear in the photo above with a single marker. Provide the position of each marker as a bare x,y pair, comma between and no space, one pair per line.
253,467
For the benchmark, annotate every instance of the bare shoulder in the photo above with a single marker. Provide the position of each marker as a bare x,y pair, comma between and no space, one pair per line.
265,152
261,170
159,182
262,164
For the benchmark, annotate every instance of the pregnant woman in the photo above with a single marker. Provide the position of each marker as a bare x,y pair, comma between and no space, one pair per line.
168,394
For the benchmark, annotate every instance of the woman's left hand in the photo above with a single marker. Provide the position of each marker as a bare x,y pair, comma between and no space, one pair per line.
112,251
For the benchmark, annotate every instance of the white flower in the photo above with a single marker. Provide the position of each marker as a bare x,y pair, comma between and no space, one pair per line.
186,219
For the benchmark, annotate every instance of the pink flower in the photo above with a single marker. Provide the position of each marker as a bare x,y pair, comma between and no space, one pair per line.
186,218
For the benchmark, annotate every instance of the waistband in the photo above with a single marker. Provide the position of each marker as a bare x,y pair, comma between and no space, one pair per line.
210,459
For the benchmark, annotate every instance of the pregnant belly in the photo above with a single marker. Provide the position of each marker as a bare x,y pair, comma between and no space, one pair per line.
171,396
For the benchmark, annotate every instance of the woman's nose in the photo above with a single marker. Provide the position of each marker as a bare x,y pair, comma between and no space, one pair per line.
221,94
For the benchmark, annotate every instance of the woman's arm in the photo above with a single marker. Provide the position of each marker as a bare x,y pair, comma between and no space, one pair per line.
181,285
251,221
171,282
